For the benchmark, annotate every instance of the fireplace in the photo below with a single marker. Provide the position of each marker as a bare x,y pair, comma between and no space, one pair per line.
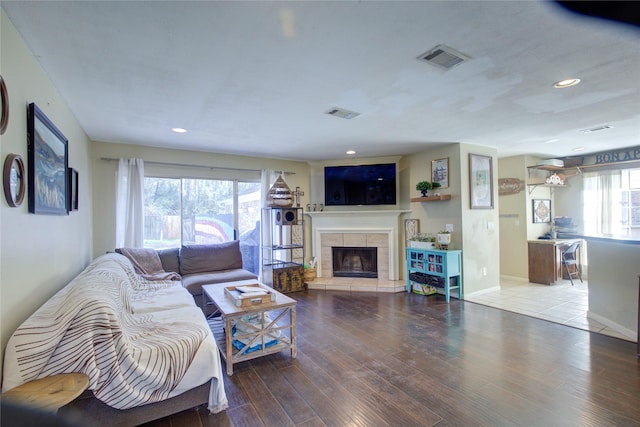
362,229
355,261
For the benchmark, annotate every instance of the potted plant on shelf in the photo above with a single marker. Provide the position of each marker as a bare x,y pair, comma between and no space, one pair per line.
425,186
422,241
444,238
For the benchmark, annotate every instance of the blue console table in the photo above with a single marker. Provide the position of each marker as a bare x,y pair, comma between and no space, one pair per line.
433,267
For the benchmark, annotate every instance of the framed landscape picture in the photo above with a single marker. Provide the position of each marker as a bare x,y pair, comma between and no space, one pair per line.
440,172
481,181
48,177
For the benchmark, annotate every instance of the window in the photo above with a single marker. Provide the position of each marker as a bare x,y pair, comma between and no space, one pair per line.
630,200
162,213
181,211
612,202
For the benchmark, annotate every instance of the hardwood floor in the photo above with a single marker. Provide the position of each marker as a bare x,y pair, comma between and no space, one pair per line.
368,359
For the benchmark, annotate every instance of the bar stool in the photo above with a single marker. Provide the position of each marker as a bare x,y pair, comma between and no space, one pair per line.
569,258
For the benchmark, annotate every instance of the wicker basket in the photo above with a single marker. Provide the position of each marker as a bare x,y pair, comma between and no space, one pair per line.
309,274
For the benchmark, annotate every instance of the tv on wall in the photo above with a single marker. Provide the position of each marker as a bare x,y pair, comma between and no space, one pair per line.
360,185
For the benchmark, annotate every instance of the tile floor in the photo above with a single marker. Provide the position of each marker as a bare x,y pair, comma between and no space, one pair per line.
560,303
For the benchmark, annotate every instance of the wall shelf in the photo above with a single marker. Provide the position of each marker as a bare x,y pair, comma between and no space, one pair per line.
432,198
549,171
570,171
543,184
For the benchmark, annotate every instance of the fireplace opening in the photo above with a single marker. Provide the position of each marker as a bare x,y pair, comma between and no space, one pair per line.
355,262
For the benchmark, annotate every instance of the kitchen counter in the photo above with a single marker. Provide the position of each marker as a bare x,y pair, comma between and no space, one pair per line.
613,283
610,238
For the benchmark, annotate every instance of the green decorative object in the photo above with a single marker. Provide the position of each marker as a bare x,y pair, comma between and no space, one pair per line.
422,241
425,186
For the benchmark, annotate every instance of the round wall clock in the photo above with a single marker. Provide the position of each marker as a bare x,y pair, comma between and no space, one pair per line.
4,106
14,180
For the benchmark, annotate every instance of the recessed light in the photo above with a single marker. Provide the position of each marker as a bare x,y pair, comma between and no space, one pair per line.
351,152
179,130
550,141
566,83
578,149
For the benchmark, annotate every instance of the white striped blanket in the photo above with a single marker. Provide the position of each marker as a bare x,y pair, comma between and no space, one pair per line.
104,324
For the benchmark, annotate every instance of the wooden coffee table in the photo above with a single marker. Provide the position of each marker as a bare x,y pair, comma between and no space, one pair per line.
283,321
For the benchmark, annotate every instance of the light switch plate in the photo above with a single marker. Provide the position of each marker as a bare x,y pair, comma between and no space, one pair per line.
449,228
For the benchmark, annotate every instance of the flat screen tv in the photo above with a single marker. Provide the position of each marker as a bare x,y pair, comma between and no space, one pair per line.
360,185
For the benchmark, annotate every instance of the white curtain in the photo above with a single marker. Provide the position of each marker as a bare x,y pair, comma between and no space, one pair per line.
602,202
130,204
267,178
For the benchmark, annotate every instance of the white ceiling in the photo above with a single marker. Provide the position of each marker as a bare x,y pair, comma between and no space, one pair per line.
255,78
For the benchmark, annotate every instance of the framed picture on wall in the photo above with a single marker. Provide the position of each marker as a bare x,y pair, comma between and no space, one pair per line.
541,210
73,190
48,177
481,181
440,172
411,228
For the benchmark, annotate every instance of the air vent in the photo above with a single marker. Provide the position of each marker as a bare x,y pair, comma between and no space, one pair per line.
342,113
444,57
596,129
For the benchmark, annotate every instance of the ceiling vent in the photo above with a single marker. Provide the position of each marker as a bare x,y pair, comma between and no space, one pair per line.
596,129
342,113
444,57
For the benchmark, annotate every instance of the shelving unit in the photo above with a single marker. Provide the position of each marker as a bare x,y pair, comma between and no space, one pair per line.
282,249
434,267
570,171
550,170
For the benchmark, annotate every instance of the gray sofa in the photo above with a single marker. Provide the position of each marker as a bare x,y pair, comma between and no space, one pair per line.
147,349
204,265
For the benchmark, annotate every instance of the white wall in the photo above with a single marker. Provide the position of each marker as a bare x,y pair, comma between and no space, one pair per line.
480,229
568,201
434,216
613,285
476,232
39,254
513,221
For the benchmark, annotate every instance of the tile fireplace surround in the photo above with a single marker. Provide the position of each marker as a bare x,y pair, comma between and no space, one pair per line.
379,229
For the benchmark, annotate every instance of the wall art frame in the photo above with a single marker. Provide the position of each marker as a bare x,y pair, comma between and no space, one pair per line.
13,179
411,228
4,106
481,181
73,190
541,210
440,172
48,164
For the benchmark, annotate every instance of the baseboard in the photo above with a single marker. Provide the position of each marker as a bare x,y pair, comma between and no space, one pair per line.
514,278
628,333
481,292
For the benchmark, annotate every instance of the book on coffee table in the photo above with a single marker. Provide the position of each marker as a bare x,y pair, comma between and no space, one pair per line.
249,294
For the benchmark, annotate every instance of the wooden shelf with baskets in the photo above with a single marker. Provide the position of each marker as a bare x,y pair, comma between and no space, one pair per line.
282,246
